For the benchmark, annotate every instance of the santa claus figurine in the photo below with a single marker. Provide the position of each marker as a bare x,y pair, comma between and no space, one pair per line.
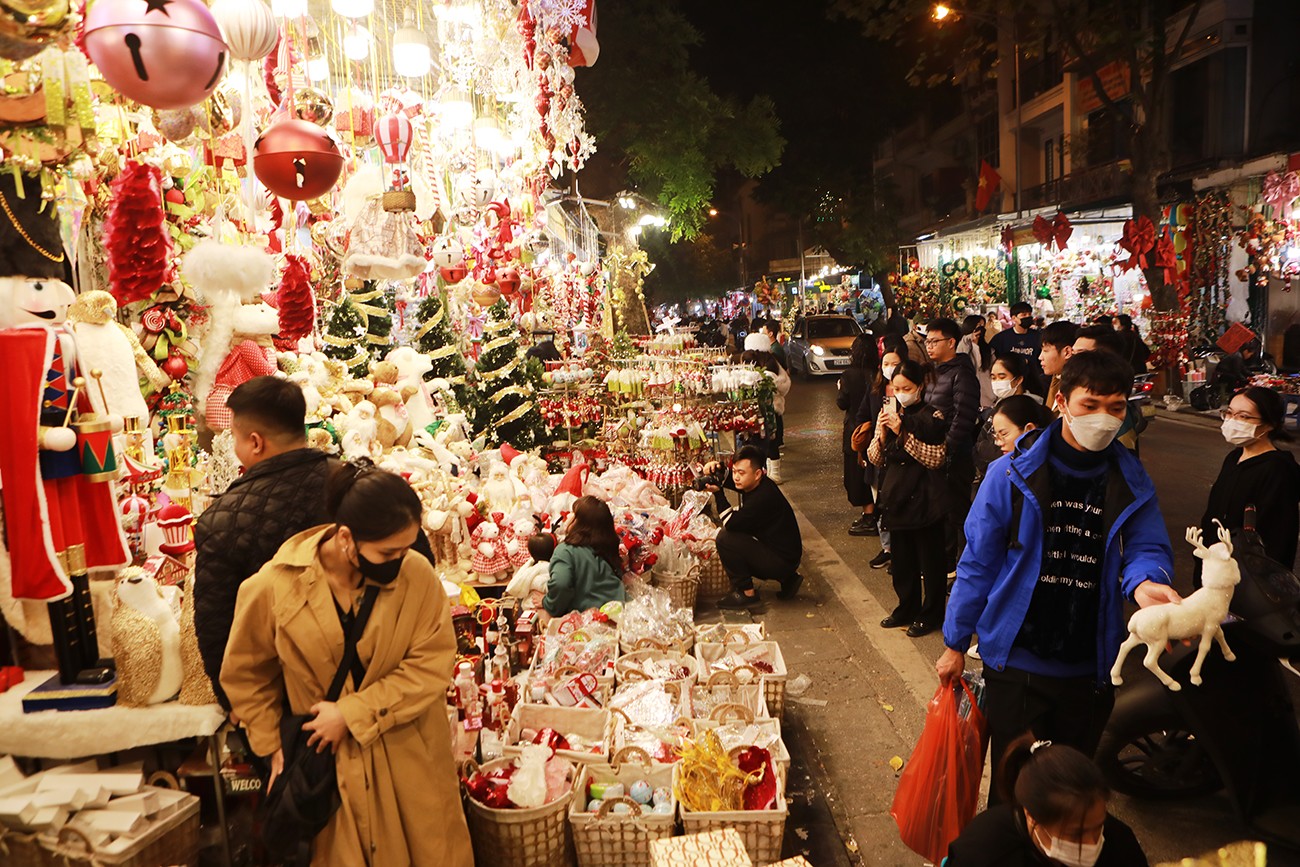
56,454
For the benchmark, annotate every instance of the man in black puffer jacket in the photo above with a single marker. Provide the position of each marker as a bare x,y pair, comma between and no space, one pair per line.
956,395
280,494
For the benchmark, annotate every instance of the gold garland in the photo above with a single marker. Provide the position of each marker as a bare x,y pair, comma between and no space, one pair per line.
441,352
518,413
505,370
512,390
431,321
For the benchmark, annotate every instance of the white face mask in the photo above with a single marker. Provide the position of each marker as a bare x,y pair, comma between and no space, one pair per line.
907,398
1239,432
1068,853
888,371
1094,431
1003,388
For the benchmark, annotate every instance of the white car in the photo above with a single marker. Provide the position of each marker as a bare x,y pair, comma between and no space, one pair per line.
820,344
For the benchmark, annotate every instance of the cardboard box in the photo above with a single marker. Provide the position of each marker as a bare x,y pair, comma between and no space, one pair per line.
722,848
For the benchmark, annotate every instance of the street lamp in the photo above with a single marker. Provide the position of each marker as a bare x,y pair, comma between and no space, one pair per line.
941,13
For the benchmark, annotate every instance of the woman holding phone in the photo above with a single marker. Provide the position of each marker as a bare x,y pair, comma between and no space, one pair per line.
908,449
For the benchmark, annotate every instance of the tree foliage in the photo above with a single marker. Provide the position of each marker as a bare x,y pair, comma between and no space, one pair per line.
1134,33
700,268
669,131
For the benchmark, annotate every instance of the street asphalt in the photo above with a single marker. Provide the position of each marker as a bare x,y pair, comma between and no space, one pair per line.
869,686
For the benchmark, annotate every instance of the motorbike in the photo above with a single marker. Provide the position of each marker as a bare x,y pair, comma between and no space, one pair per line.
1238,730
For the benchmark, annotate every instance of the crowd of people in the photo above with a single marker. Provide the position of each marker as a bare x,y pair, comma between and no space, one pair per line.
1003,478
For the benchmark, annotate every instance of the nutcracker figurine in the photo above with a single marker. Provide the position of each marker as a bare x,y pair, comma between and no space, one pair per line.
56,454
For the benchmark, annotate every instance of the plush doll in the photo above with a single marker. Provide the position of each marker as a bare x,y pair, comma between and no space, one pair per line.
394,423
146,642
238,344
498,490
530,581
489,560
360,430
411,368
106,345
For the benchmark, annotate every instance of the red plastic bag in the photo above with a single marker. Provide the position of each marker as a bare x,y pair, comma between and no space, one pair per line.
938,792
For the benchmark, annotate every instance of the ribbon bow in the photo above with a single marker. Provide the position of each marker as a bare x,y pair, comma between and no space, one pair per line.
1056,231
1281,189
1008,239
474,325
1139,238
1167,258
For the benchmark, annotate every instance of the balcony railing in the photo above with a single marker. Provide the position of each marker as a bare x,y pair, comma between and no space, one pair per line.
1089,186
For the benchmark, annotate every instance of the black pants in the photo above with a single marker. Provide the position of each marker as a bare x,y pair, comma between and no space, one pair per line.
1063,710
855,481
961,479
745,558
920,575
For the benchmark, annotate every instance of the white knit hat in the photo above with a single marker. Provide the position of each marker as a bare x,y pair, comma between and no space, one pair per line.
757,341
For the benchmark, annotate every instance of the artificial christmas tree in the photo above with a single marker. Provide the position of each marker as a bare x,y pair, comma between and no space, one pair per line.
507,383
345,331
434,338
136,239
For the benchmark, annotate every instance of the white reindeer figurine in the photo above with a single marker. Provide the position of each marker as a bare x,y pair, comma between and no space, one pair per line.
1200,614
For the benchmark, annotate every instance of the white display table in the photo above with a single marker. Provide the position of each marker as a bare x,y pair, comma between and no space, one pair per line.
75,734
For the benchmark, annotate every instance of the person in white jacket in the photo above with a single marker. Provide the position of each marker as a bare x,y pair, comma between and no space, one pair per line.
758,351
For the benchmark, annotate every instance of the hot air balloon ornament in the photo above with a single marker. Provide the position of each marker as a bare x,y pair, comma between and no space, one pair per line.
394,134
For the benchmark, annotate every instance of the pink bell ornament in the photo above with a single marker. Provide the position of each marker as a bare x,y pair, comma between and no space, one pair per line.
165,54
297,160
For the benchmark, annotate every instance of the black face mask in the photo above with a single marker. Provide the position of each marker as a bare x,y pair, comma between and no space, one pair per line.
380,573
1025,322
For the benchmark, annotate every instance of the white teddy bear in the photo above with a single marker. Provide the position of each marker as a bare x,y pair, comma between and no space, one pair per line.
359,429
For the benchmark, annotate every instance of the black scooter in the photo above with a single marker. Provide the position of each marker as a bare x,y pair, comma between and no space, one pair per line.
1238,730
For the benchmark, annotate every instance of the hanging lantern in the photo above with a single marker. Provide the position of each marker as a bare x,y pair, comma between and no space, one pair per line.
249,26
297,160
161,53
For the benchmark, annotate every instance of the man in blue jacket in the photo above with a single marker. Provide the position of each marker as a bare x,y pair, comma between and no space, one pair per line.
1062,531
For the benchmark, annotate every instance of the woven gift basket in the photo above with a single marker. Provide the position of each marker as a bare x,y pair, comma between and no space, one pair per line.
609,839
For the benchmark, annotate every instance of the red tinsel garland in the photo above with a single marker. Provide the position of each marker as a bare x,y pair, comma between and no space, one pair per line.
297,302
138,245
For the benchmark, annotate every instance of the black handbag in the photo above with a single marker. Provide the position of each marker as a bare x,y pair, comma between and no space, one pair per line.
306,794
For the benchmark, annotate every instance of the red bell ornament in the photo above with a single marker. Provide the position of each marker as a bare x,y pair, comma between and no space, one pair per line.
297,160
509,281
165,54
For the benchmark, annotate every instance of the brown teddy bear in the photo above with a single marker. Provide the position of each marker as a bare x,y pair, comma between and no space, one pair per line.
394,424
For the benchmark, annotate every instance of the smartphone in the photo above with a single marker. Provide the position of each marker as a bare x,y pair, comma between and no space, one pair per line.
894,406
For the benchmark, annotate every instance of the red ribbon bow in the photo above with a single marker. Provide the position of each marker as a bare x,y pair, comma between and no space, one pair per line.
1167,258
1008,239
1139,239
1056,231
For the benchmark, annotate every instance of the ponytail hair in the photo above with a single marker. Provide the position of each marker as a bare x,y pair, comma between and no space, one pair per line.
1050,782
372,503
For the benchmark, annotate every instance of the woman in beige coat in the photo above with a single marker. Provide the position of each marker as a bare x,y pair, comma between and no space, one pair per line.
398,787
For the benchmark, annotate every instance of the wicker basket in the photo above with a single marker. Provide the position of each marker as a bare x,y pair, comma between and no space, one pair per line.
682,588
780,753
587,723
714,582
627,735
730,633
630,667
607,839
170,841
686,645
719,657
534,837
762,830
724,691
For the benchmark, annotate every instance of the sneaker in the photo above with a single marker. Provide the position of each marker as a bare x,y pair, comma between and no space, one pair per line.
737,601
774,470
865,526
880,561
790,587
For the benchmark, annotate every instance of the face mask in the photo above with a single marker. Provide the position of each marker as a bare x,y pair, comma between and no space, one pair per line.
1026,321
1094,431
908,398
1239,432
380,573
1003,388
1070,854
888,371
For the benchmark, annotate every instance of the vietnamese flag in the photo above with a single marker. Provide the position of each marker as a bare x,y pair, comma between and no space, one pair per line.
989,181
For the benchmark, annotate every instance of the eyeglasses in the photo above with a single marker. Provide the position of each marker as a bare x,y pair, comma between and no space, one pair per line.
935,341
1226,414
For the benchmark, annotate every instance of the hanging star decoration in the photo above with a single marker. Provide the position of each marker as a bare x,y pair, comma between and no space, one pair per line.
1139,239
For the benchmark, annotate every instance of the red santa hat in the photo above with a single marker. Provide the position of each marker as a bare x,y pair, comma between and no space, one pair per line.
509,453
573,480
